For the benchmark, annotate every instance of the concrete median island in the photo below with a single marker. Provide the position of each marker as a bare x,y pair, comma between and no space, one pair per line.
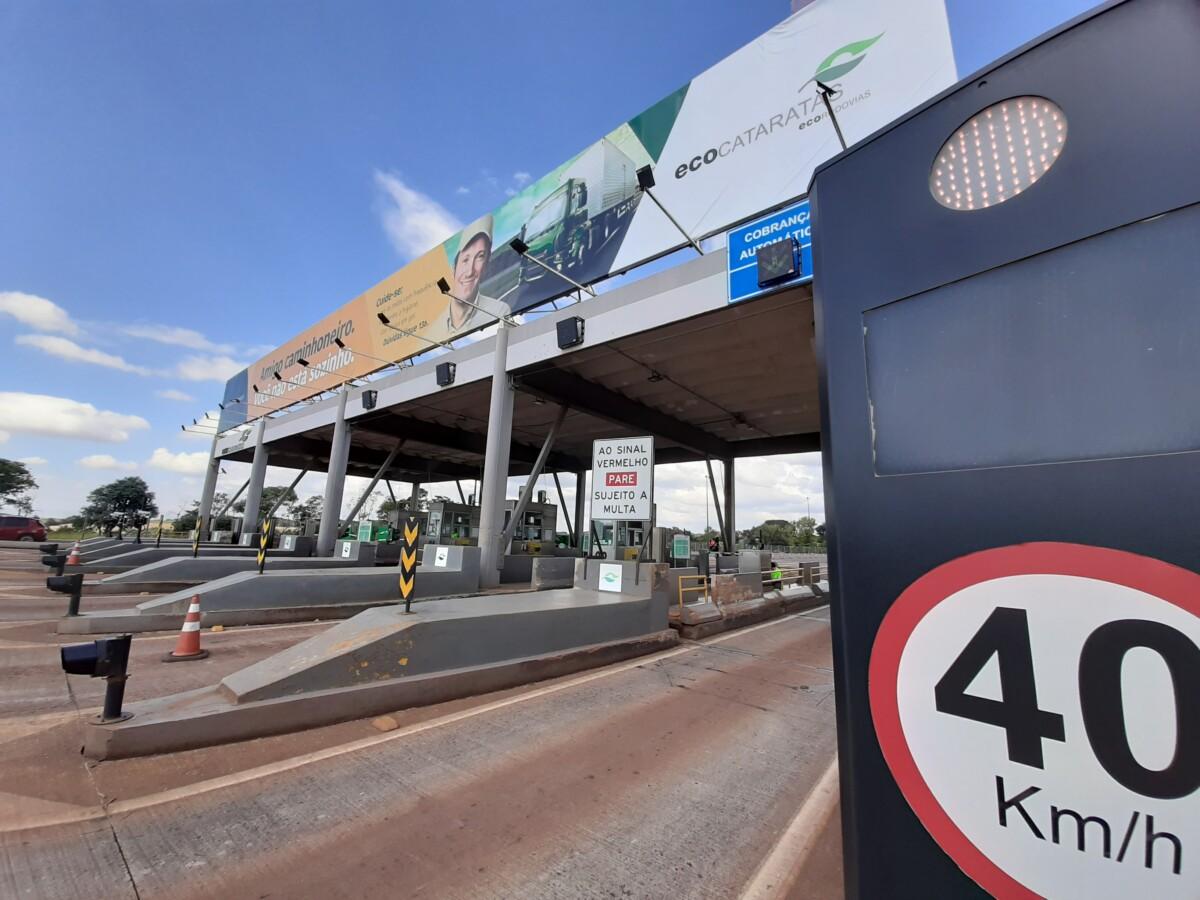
284,594
385,659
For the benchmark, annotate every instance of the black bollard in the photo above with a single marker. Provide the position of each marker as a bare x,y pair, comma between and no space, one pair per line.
55,561
68,584
107,658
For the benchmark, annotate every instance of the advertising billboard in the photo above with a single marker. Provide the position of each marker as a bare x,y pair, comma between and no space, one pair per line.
743,136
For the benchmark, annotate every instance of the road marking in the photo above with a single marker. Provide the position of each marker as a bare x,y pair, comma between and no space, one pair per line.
778,872
86,814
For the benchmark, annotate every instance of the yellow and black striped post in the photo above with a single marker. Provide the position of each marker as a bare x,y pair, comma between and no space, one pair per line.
264,541
408,561
196,539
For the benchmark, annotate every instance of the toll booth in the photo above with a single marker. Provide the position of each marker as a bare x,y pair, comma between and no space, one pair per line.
1008,336
621,540
452,523
535,533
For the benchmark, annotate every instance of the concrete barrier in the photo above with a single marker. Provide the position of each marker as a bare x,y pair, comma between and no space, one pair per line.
209,568
384,660
132,559
287,595
552,572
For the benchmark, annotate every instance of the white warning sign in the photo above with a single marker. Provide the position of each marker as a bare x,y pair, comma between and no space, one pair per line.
623,479
1039,708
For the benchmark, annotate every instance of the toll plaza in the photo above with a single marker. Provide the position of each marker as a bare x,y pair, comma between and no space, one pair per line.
980,313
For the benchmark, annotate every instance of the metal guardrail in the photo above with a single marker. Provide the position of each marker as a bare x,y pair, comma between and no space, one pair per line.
778,577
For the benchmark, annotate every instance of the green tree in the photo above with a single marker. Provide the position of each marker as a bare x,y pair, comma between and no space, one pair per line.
388,506
186,520
15,484
309,510
806,530
125,496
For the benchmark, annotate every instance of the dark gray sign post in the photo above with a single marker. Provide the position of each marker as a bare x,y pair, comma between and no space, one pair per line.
1007,290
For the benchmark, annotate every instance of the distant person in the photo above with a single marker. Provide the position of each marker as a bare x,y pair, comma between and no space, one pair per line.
714,545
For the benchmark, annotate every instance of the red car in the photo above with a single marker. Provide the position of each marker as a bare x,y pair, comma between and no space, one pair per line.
21,528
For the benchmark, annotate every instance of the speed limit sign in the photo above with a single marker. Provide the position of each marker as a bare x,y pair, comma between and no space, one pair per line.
1039,707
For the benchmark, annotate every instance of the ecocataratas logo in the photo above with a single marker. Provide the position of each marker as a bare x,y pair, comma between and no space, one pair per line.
805,112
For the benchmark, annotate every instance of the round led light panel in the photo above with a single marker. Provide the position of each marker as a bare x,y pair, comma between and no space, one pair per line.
999,152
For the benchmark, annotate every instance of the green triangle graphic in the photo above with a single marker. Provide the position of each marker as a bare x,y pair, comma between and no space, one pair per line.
653,126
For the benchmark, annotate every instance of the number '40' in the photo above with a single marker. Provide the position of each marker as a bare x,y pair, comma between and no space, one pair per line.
1005,635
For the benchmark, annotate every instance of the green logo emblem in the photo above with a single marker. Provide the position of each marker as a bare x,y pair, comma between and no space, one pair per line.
834,66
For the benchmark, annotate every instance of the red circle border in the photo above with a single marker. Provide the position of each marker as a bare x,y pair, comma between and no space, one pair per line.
1168,582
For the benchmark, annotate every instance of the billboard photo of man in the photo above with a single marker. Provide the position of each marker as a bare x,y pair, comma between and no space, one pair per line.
465,309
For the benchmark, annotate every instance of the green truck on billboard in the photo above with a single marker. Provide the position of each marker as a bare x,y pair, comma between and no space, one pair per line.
590,206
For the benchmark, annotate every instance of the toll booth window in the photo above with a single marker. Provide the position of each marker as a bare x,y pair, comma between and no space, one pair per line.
1084,352
999,152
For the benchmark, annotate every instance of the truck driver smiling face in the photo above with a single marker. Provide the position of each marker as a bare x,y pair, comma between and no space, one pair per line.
469,267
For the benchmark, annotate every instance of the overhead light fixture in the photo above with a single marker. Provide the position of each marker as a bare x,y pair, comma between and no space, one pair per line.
570,332
827,93
443,285
384,319
339,343
445,373
302,361
278,377
369,399
522,249
645,177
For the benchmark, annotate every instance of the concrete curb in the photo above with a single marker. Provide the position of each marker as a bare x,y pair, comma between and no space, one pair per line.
205,717
773,607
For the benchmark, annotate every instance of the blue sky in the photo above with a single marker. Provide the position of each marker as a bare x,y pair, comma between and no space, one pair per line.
192,182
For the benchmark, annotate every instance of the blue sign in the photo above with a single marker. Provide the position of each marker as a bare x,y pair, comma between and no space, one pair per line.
743,244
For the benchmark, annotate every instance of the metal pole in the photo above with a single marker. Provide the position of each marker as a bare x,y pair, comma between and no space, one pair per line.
461,496
527,491
716,501
575,284
730,502
563,505
691,240
387,464
495,462
158,540
291,487
210,483
258,476
825,92
579,502
335,480
232,500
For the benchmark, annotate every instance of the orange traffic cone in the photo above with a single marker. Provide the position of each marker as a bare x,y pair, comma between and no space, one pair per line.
73,558
188,645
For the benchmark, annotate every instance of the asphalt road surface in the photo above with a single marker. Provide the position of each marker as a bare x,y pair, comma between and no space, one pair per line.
690,773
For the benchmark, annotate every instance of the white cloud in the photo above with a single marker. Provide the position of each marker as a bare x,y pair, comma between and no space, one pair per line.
23,413
208,368
522,178
64,348
106,461
33,460
510,192
462,190
37,312
172,394
414,222
183,463
176,337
